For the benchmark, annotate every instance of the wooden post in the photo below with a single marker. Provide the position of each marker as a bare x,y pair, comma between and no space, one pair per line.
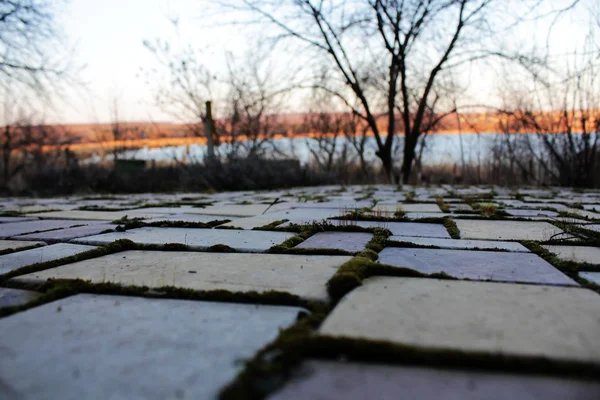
209,129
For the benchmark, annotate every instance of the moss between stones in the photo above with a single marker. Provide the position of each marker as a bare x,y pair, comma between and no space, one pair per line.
270,226
451,227
441,204
55,289
221,248
126,224
11,213
11,250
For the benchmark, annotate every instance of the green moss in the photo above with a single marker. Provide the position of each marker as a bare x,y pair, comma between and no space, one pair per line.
221,248
126,224
441,204
270,226
7,251
451,227
11,213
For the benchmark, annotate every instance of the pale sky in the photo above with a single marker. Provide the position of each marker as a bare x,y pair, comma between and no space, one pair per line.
108,37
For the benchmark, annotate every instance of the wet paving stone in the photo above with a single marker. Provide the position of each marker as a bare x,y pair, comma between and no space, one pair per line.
302,275
101,347
505,319
329,380
348,241
10,262
477,265
201,239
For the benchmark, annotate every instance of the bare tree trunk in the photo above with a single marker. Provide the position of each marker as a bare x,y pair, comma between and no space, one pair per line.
209,128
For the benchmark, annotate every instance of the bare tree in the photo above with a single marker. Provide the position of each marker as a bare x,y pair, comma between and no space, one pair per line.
413,42
31,53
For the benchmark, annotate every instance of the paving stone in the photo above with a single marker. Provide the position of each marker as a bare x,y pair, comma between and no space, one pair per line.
418,215
592,227
237,210
12,261
408,228
580,254
200,239
307,215
349,241
530,213
583,213
15,297
462,243
304,276
593,277
328,380
96,215
507,230
505,319
477,265
4,220
18,244
423,208
67,234
20,228
117,347
189,218
592,207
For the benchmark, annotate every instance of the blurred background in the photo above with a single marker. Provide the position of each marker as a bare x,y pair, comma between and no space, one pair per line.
191,95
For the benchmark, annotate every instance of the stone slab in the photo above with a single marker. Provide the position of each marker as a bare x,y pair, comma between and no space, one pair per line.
18,244
515,212
593,277
408,228
12,261
15,297
97,215
236,210
308,215
200,239
117,347
348,241
328,380
506,319
4,220
251,222
67,234
20,228
477,265
420,208
580,254
305,276
507,230
462,243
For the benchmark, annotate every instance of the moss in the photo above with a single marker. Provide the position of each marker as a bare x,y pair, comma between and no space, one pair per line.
441,204
11,250
270,226
379,240
126,224
60,288
351,274
451,227
11,213
221,248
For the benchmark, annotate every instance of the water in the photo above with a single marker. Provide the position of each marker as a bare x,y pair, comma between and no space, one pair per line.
439,149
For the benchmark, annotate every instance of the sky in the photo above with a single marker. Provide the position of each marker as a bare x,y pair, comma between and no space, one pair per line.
108,40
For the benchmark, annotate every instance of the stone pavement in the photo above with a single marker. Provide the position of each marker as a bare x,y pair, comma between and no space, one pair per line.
307,293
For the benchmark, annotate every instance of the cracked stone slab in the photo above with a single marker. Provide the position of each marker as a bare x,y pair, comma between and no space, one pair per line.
67,234
348,241
118,347
18,245
477,265
580,254
20,228
593,277
329,380
304,276
507,230
201,239
505,319
15,297
462,243
408,228
12,261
